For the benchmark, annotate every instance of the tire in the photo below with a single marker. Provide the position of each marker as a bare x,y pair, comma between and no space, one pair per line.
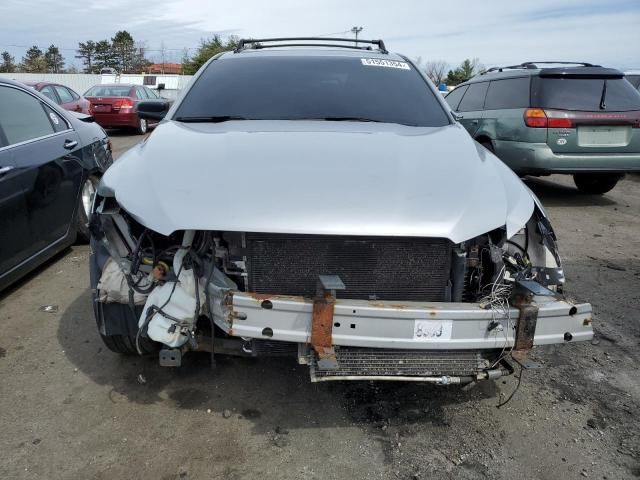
143,126
595,184
124,342
127,346
84,207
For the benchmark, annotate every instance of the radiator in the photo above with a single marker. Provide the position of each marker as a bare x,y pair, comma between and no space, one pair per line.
372,268
379,362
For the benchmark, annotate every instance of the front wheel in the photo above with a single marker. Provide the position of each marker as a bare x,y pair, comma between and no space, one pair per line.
84,207
142,127
595,183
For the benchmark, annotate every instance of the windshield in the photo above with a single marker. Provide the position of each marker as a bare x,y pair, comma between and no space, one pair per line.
108,91
585,94
319,88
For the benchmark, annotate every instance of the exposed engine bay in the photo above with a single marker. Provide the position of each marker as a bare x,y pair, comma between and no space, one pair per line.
201,291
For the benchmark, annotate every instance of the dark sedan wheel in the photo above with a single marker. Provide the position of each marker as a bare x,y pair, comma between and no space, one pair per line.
143,126
84,207
595,183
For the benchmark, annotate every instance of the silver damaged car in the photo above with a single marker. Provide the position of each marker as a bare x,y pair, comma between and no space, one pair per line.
321,202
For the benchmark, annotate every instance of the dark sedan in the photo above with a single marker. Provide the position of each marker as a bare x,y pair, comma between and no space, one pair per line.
114,105
50,164
64,96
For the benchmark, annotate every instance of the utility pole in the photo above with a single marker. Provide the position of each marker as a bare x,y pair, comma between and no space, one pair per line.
356,31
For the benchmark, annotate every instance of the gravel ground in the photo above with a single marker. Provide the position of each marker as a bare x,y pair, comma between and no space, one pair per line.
69,408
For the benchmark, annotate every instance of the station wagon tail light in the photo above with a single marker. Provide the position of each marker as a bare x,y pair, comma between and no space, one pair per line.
535,118
538,118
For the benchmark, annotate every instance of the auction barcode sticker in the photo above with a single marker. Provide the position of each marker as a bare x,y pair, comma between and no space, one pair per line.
432,330
379,62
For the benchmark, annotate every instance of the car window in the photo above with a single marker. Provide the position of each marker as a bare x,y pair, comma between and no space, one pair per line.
58,123
73,94
319,88
63,93
634,80
108,91
151,93
47,91
585,94
453,98
22,117
473,99
508,93
141,93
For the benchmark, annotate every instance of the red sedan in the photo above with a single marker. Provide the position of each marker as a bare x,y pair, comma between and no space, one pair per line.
114,105
63,96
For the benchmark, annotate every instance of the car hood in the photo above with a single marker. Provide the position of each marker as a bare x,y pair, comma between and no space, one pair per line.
315,177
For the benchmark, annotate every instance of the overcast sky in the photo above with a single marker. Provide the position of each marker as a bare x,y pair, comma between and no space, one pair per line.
497,32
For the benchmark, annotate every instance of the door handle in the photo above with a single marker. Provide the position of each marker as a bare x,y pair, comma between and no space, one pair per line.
5,170
70,144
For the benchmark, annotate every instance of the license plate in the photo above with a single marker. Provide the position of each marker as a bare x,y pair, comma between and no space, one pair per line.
604,136
101,108
432,330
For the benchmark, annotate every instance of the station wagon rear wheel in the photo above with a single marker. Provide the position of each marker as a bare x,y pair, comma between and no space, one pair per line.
596,184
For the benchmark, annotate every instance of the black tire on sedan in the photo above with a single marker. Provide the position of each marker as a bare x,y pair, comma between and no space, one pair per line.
595,183
143,126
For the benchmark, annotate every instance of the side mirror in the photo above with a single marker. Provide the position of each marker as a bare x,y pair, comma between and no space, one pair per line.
160,86
152,109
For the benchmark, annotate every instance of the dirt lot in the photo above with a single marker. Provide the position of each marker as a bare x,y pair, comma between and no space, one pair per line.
69,408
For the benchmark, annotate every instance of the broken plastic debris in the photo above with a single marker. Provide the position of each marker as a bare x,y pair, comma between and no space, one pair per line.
142,379
49,308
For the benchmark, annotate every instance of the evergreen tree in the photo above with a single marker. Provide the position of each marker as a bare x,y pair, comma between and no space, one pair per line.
55,61
34,61
86,52
8,63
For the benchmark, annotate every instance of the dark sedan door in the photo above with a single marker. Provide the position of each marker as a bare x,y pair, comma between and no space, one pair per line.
14,232
45,155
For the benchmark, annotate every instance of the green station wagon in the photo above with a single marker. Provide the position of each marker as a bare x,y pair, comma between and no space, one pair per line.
577,119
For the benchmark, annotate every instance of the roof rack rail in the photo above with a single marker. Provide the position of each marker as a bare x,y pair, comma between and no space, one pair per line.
258,43
533,65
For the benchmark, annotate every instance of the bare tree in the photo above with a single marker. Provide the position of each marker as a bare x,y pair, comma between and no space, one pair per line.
436,70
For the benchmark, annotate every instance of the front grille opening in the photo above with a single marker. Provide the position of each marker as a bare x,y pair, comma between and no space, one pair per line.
372,268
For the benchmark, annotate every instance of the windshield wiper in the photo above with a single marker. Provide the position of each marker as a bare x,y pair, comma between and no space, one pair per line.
209,119
350,119
603,105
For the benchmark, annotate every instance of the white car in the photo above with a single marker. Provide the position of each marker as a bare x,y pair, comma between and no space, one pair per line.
323,203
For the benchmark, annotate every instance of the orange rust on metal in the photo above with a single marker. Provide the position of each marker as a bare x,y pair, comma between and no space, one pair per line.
586,322
322,323
260,297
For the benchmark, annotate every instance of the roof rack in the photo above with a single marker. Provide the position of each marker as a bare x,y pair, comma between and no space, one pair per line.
258,43
534,65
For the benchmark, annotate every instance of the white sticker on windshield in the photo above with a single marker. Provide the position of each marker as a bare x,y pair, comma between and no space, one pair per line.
379,62
54,118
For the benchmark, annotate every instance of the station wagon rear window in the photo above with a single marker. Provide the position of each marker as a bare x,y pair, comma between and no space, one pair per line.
311,87
585,94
